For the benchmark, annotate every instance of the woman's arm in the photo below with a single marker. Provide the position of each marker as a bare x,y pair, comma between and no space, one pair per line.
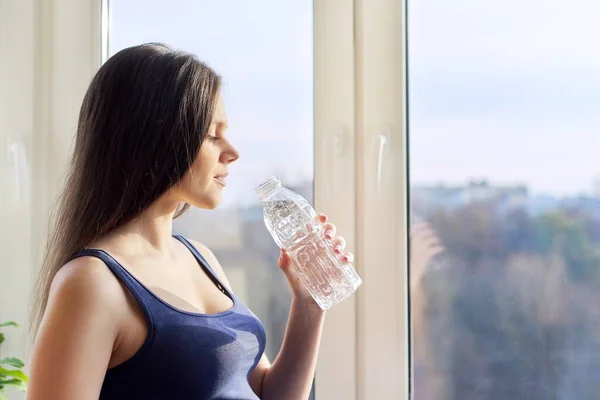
291,375
77,334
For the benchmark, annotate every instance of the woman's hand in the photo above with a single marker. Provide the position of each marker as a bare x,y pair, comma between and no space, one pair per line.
424,246
299,290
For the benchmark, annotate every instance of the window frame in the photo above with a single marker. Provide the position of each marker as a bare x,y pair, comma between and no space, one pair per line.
335,188
382,209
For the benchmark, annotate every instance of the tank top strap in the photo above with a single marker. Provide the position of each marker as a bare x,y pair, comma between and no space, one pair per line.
140,294
204,264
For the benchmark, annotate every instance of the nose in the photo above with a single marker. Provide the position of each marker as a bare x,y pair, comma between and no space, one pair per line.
230,155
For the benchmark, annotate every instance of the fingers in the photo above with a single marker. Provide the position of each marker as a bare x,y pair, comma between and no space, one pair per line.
348,257
435,250
322,217
422,231
330,230
423,235
429,242
421,226
339,243
284,258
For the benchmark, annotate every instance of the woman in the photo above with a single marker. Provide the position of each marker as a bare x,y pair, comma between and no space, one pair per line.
126,309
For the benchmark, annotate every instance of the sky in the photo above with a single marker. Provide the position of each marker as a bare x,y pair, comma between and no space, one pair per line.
506,90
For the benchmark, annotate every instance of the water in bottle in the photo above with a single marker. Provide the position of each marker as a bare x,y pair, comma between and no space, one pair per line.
295,226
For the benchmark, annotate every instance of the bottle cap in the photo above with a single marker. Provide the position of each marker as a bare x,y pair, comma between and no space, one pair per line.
265,189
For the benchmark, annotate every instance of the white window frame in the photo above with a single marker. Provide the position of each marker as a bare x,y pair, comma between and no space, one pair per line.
359,95
383,334
335,181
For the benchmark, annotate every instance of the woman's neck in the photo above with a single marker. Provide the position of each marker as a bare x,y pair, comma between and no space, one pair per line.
151,231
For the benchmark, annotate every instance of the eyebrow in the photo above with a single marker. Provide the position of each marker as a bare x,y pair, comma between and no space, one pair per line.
221,123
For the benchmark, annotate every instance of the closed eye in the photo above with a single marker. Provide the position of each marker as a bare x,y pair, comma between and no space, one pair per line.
213,138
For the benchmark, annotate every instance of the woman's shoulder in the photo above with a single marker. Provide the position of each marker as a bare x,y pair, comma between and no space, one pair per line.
87,283
202,248
78,331
212,261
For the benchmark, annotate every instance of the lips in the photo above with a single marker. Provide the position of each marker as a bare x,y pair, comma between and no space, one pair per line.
221,178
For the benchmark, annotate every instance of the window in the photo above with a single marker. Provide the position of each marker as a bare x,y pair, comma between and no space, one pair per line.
503,106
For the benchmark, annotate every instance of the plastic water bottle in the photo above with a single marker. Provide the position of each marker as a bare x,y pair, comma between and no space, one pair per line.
296,227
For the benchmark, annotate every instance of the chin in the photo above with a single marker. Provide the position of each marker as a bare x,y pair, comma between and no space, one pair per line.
207,203
212,206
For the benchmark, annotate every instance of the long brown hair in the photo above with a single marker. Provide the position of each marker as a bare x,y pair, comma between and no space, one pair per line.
141,125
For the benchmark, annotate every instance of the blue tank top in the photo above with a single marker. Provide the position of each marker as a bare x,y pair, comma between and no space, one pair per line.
186,355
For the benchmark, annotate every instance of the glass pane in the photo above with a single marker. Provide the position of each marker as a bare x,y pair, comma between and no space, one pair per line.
504,99
263,51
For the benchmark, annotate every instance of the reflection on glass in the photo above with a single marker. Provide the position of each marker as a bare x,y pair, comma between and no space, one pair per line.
504,100
263,50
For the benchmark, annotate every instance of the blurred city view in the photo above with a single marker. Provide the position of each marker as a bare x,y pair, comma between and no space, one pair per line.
508,309
505,268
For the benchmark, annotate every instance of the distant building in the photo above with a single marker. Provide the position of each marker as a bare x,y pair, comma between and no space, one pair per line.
425,199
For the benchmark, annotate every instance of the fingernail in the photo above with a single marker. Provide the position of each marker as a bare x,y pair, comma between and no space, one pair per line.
329,234
345,258
338,249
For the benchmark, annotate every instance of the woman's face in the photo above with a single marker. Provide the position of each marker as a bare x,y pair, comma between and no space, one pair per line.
202,184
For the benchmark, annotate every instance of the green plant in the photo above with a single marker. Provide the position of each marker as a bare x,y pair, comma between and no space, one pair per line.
11,369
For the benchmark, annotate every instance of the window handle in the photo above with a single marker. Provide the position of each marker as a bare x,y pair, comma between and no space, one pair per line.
382,142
